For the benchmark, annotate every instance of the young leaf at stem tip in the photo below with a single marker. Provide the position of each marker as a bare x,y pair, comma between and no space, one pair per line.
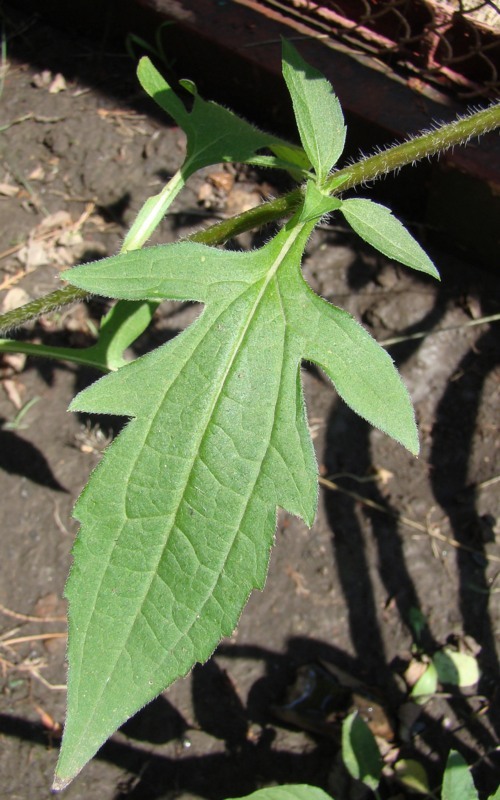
317,112
377,226
214,134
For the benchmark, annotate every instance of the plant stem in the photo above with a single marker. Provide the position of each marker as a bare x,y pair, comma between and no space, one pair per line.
368,169
427,144
42,305
152,213
216,234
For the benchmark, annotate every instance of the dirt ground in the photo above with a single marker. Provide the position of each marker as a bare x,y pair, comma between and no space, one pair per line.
397,540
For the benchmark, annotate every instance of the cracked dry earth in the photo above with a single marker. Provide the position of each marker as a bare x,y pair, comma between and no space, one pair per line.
397,540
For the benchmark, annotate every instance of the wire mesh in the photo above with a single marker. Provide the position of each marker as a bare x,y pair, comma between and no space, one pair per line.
453,44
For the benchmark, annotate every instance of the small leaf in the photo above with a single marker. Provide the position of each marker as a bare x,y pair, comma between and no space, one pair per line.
457,780
360,753
457,669
361,371
377,226
214,134
426,685
288,792
412,774
317,111
291,154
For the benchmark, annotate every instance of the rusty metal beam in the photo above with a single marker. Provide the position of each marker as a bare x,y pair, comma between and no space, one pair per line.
231,48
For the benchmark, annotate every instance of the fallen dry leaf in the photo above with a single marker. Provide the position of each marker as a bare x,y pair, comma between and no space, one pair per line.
414,672
58,84
222,180
51,605
8,189
59,219
37,174
12,363
34,254
14,298
42,80
13,389
383,475
299,581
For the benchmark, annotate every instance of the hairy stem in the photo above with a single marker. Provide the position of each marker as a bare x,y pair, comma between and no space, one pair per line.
425,145
42,305
368,169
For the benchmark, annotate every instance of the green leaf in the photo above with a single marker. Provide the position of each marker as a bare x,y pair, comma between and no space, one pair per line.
316,204
495,795
376,225
426,685
457,669
291,154
179,517
418,623
412,774
289,792
317,111
457,780
214,134
360,752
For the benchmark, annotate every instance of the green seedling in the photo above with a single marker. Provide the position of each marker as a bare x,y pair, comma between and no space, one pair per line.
17,423
363,761
447,667
360,752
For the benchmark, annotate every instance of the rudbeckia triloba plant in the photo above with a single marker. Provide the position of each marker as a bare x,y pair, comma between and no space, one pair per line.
178,520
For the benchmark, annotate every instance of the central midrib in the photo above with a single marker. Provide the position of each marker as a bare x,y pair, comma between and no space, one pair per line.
285,249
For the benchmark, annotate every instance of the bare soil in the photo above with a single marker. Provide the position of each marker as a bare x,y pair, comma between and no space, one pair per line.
396,540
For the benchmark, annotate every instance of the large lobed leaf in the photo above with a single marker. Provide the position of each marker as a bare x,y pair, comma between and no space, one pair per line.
178,519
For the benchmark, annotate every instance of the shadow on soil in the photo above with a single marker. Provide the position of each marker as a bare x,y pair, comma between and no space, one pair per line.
19,457
246,762
348,450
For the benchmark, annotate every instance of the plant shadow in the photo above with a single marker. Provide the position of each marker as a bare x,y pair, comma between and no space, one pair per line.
372,532
242,750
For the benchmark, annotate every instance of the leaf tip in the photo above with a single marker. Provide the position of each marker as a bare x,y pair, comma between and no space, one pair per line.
414,445
143,61
60,783
409,438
